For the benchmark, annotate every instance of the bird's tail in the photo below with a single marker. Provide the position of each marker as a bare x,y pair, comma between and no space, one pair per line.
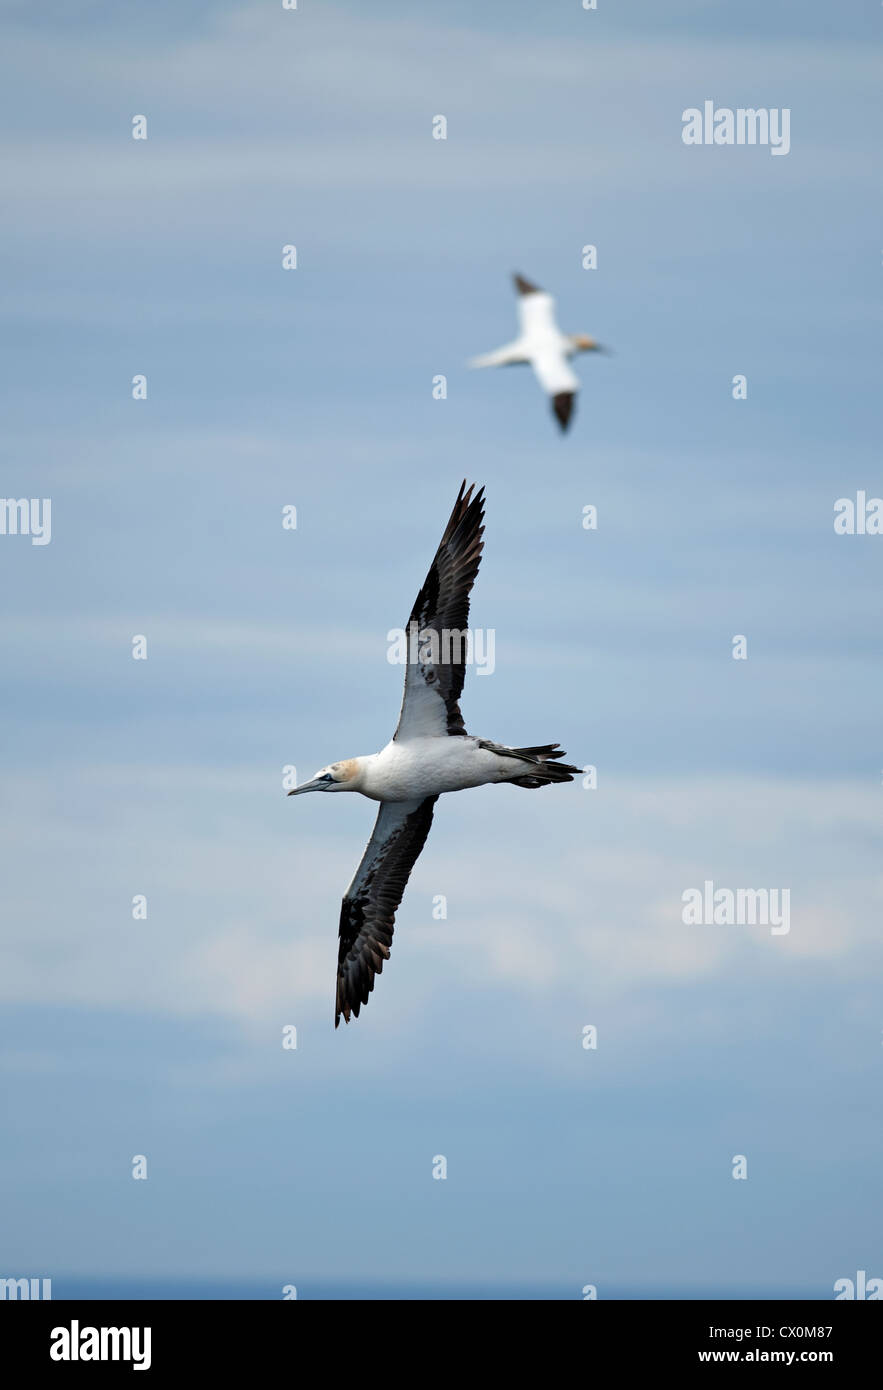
507,356
543,767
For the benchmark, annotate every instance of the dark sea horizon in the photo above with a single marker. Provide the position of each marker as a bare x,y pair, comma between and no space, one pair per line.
78,1288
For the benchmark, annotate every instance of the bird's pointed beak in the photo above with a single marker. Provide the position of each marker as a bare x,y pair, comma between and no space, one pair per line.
314,785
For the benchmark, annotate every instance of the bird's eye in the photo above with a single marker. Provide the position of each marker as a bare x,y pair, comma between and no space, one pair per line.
327,777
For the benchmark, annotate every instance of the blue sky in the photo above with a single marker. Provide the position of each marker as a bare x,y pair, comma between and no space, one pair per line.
268,647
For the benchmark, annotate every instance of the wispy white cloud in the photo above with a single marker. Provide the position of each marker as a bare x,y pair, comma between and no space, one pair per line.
345,100
570,900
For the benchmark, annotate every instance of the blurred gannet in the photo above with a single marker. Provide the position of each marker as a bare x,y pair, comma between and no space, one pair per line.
430,753
545,347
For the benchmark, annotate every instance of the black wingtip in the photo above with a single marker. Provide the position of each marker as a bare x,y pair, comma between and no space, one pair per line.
524,286
562,405
466,504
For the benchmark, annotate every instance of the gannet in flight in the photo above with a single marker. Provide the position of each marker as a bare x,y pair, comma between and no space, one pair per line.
545,347
430,753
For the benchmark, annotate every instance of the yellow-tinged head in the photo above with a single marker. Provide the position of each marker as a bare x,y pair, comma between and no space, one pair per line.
584,344
337,777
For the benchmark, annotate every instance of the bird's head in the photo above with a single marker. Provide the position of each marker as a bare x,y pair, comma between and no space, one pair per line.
583,344
337,777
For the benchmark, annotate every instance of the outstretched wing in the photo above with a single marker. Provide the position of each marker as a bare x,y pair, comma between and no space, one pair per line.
558,380
367,914
510,355
536,309
437,627
554,372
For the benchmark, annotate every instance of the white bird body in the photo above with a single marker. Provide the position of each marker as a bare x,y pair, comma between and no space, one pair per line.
429,754
428,766
543,346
